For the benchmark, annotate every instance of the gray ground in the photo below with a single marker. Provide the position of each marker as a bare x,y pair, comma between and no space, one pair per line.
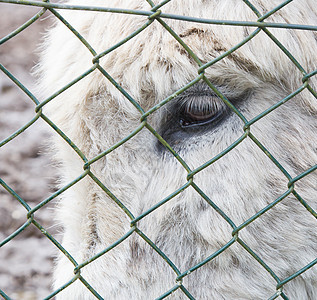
26,261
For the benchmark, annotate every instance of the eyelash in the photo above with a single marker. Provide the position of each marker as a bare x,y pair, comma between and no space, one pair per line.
200,111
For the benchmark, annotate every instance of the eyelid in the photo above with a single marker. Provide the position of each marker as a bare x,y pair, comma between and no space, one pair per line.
201,90
203,104
199,105
199,111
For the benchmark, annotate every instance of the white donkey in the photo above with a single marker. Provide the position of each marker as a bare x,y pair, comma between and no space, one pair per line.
198,124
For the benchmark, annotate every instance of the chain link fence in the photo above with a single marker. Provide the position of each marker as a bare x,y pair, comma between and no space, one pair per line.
156,14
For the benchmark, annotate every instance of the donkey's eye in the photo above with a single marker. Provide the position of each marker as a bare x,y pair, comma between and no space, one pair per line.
198,112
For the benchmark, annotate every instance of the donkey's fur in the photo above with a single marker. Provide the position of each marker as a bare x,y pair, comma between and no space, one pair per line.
142,172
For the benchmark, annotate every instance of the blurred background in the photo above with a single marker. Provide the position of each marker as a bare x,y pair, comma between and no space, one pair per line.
26,262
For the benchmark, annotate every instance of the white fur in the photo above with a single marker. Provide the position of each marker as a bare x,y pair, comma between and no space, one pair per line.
151,66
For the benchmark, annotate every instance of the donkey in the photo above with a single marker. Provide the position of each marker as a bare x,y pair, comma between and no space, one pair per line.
238,227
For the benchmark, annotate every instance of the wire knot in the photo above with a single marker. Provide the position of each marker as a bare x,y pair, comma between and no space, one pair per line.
155,15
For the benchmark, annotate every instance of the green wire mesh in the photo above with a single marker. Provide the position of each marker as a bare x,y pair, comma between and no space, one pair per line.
154,14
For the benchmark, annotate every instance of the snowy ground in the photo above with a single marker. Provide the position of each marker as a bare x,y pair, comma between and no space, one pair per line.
27,260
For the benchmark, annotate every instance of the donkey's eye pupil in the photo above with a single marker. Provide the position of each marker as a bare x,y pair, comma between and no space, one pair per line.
191,119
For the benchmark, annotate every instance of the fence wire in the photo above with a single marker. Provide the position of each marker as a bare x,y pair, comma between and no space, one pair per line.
156,14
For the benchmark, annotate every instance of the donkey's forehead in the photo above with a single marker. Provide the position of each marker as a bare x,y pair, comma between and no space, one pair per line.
150,72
